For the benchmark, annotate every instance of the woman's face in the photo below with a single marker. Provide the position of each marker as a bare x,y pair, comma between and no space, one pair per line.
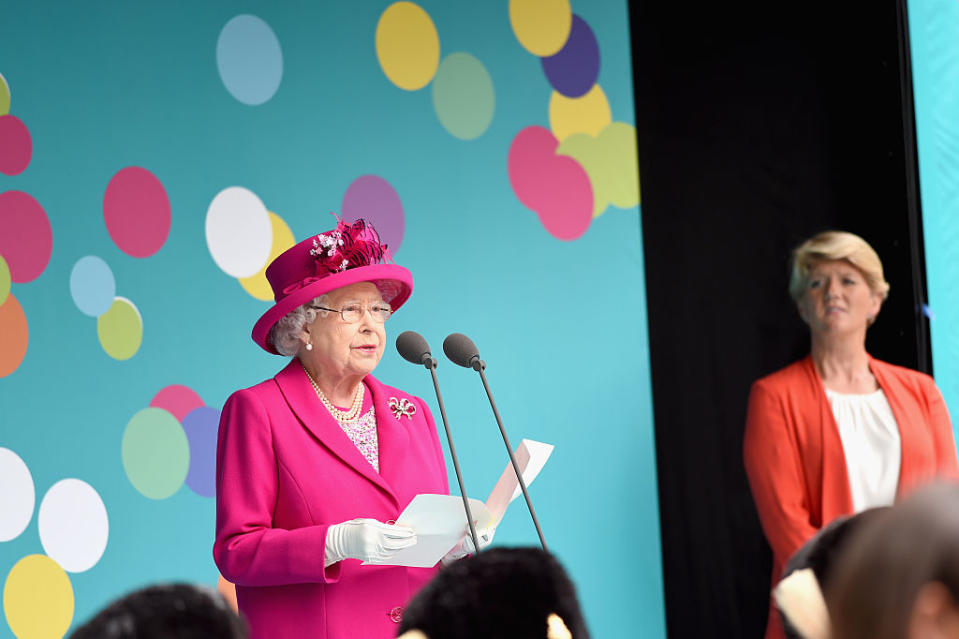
837,299
341,348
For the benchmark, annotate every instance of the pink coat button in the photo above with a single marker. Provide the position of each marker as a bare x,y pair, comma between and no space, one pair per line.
396,614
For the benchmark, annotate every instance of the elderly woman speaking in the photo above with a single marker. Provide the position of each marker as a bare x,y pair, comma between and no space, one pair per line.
839,431
315,464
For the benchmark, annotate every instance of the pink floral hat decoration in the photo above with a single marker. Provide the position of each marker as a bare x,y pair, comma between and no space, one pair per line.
348,254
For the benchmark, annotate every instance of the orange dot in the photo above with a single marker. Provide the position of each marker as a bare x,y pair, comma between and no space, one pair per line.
13,335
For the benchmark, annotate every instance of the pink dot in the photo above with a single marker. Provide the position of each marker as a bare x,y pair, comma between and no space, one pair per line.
554,186
16,147
137,212
372,198
26,240
178,400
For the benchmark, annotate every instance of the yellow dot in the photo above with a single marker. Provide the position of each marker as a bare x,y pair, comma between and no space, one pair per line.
38,599
4,96
120,329
610,162
541,26
586,114
257,285
407,45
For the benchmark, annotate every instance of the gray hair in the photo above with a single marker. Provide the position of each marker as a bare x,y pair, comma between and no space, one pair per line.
285,334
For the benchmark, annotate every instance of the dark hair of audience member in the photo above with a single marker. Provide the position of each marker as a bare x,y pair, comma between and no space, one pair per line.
168,611
502,592
874,588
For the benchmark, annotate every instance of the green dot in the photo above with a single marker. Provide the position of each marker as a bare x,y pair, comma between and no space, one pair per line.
120,329
4,96
4,280
156,453
463,96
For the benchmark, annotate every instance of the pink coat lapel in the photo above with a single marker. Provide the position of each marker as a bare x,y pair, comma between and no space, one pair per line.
299,394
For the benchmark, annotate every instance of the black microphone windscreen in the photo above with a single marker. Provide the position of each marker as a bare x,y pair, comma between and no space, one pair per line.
460,349
412,346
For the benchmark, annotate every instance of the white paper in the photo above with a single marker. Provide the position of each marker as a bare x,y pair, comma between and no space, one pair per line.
530,456
439,522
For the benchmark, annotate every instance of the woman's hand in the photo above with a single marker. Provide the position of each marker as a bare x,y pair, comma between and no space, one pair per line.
368,540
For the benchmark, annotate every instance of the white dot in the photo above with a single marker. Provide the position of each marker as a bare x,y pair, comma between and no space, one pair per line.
17,497
73,525
238,232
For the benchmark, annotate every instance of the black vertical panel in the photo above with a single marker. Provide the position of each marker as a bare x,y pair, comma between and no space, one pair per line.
758,125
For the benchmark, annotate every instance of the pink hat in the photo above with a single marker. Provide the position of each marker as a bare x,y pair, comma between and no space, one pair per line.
348,254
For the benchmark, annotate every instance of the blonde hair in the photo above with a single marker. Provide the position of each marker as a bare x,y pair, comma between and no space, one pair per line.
836,245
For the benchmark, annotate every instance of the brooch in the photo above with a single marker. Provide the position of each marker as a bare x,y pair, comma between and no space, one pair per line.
402,407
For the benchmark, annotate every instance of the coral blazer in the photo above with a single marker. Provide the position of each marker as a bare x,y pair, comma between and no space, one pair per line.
286,471
795,461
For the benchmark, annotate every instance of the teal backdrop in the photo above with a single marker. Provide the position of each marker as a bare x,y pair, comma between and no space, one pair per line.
934,45
123,127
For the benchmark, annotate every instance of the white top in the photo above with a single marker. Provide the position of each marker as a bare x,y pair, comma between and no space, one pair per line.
870,441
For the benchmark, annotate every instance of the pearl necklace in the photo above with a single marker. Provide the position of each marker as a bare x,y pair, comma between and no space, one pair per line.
339,415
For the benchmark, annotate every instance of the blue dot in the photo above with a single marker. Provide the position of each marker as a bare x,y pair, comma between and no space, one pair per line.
249,59
92,286
200,426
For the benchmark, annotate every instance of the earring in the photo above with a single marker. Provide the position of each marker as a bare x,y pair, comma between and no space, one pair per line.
309,346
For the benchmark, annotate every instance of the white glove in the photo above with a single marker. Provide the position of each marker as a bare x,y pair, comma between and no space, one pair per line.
464,546
367,540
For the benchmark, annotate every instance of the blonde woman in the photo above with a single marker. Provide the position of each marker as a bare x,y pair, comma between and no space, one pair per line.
838,431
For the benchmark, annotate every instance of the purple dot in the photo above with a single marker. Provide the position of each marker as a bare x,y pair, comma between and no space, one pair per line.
574,69
372,198
200,426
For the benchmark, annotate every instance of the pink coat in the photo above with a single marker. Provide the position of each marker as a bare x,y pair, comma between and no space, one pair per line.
285,473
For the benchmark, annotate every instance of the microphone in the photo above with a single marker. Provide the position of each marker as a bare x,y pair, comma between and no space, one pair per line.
462,351
413,348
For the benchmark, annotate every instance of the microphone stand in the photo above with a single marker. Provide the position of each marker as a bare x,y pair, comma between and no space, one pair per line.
431,365
478,365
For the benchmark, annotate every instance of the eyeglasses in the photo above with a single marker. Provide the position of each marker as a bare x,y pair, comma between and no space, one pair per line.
351,313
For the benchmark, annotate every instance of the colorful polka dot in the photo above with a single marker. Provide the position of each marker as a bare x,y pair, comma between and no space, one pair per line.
38,599
176,399
407,45
238,232
589,114
374,199
555,187
92,286
155,452
249,59
541,26
200,426
120,329
4,280
257,285
14,336
17,497
16,146
463,96
26,240
610,161
573,70
4,96
73,525
136,210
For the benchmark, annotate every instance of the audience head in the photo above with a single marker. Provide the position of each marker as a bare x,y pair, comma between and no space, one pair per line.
170,611
509,593
899,578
